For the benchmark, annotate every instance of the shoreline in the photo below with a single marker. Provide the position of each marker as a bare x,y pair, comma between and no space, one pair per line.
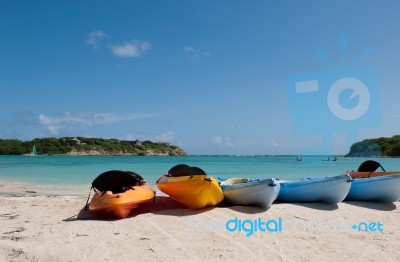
167,231
355,157
201,155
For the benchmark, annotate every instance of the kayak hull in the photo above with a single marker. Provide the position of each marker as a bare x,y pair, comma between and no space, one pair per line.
327,190
384,189
195,192
121,204
253,192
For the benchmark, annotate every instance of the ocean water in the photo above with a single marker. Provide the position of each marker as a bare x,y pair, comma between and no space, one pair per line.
80,171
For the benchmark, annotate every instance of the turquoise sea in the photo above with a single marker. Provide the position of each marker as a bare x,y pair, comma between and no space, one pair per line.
80,171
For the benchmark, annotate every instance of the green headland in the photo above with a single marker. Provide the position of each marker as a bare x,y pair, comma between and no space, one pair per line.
88,146
376,147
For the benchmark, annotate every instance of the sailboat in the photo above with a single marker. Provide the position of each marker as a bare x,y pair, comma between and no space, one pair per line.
34,151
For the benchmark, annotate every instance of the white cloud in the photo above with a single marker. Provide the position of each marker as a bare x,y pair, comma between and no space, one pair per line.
166,137
95,38
84,120
247,142
108,118
216,140
134,48
53,129
279,145
45,120
274,143
221,141
195,52
228,142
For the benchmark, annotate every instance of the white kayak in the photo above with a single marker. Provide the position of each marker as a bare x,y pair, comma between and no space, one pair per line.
243,191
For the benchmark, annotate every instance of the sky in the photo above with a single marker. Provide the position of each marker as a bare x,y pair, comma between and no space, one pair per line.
213,77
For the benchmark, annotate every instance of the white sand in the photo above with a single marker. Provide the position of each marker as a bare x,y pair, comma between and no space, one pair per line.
43,226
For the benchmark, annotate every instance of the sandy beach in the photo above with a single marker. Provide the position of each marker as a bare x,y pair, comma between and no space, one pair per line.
39,225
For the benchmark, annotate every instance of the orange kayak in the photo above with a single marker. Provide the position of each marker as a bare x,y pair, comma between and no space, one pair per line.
121,204
119,192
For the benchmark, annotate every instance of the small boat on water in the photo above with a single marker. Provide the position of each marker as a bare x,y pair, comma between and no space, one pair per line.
245,192
328,190
370,185
190,186
329,159
118,192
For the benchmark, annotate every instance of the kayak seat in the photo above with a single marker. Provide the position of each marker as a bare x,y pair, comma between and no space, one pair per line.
369,166
117,181
232,181
181,170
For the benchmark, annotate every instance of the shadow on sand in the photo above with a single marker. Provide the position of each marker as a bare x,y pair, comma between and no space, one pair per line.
314,205
166,206
243,209
373,205
162,205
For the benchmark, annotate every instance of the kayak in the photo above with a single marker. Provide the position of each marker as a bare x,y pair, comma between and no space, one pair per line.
121,204
246,192
356,174
118,192
384,189
191,187
328,190
368,169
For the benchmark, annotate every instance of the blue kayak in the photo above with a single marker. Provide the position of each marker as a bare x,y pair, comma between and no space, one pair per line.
245,192
378,189
328,190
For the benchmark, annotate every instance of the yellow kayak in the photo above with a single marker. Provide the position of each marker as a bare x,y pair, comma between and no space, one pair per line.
194,191
119,192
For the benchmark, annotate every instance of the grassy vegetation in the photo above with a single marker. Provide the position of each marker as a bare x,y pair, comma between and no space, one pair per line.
87,146
383,146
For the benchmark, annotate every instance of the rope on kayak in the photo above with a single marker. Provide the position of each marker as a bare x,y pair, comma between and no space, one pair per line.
87,200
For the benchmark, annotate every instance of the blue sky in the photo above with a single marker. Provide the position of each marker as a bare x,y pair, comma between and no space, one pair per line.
214,77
